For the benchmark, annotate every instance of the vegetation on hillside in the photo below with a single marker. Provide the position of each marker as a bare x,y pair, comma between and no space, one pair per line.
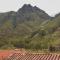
29,28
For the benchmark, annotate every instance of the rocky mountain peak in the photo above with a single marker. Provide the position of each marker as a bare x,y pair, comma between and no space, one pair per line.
30,10
26,8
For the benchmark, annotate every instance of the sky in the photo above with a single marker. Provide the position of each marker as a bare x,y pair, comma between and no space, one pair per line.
51,7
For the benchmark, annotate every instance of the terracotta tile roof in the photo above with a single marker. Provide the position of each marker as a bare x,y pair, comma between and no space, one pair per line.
5,53
27,56
23,55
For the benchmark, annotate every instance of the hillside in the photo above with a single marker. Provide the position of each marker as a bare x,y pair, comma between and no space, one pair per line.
30,27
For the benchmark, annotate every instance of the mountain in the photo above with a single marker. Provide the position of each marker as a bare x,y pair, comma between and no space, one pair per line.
27,12
30,27
27,15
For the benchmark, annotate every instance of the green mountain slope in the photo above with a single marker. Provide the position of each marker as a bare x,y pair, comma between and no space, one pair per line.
30,28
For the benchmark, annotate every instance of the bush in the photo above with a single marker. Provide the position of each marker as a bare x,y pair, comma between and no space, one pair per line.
51,48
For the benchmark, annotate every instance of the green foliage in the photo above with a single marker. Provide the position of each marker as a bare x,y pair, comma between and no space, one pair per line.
29,28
